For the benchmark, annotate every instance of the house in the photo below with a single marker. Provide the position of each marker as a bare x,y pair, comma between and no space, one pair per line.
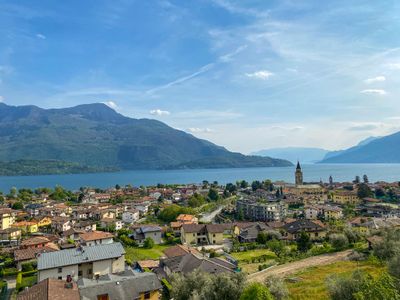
202,234
42,222
315,229
26,226
130,216
33,209
6,218
61,224
126,285
146,265
30,254
179,250
51,289
96,238
189,262
35,242
111,222
183,219
345,197
327,212
144,232
82,262
250,234
10,234
85,225
187,219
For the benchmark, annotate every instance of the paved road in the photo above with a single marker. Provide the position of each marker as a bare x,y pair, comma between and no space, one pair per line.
209,217
293,267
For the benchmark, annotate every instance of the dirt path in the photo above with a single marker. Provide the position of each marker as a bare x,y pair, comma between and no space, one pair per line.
293,267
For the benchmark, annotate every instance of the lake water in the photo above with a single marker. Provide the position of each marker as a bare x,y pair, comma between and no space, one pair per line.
312,172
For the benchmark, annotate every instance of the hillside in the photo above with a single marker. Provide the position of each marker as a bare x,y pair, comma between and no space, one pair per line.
294,154
373,150
95,136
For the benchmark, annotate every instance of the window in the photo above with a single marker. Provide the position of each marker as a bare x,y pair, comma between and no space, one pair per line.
103,297
147,295
59,270
213,235
80,273
59,278
89,271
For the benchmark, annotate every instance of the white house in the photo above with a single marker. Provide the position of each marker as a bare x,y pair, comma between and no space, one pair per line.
130,216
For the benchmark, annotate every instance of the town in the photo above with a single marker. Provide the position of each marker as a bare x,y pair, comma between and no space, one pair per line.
142,242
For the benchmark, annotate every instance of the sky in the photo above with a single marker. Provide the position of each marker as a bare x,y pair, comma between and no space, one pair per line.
247,75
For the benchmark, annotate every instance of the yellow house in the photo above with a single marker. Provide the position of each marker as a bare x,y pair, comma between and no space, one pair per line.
26,226
211,234
345,197
6,218
44,222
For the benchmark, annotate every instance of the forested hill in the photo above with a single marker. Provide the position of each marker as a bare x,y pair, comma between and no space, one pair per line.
95,136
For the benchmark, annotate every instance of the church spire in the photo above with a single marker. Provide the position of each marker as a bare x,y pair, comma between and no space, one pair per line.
298,166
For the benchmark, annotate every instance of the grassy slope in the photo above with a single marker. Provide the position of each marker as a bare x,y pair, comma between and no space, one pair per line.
312,280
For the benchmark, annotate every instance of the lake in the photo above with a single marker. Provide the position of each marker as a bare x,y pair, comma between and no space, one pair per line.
312,172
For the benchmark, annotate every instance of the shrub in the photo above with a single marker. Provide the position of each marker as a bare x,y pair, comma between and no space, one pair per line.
148,243
339,241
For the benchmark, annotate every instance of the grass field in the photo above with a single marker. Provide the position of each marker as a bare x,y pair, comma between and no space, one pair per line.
246,255
136,254
311,284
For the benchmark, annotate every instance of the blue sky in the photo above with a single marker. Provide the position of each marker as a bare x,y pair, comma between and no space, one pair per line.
246,75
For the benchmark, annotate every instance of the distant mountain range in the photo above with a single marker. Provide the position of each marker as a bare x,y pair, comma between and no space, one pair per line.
293,154
94,136
373,150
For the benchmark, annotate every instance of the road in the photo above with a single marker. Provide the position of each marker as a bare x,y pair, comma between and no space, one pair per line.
293,267
209,217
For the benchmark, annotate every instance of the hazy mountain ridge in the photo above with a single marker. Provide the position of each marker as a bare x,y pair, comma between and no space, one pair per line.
97,136
372,150
293,154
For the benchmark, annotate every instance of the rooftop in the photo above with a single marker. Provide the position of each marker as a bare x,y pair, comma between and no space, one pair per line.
83,254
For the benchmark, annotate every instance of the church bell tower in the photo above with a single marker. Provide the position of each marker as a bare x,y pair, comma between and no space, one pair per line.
299,175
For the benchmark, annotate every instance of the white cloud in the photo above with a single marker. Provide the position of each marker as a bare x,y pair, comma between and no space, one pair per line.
374,91
199,130
394,66
364,127
263,74
1,99
111,104
159,112
375,79
40,36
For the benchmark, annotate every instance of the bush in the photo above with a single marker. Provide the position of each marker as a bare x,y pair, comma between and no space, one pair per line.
148,243
339,241
27,267
277,288
19,282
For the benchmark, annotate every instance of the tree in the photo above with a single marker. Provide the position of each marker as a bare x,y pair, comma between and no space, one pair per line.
277,288
389,246
394,266
276,246
256,291
148,243
365,178
363,191
196,200
379,192
17,205
199,285
357,180
339,241
255,185
213,194
261,238
117,187
230,187
303,242
244,184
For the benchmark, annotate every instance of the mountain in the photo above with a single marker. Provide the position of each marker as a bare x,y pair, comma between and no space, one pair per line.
372,150
293,154
338,152
94,135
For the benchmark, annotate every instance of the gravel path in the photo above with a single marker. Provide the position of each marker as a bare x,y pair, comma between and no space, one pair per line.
293,267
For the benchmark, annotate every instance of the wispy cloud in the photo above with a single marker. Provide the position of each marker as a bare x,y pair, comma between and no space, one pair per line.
199,130
394,66
374,91
375,79
263,74
1,99
364,127
111,104
40,36
221,59
159,112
